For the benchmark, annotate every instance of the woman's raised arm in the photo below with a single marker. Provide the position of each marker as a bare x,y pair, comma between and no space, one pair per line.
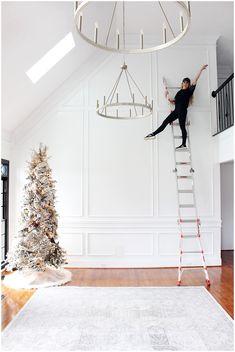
194,82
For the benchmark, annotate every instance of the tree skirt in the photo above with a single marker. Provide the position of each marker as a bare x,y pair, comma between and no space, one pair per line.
36,279
120,319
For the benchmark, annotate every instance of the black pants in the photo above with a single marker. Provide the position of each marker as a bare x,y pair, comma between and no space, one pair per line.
181,115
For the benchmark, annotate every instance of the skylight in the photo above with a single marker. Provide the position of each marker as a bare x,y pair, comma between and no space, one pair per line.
51,58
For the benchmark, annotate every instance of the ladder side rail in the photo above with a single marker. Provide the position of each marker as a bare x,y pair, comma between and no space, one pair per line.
173,145
175,172
177,189
192,172
179,212
196,211
203,255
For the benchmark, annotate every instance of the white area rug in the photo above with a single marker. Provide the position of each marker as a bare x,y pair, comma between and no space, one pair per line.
120,319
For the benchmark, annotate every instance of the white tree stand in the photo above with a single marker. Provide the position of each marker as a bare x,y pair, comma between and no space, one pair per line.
35,279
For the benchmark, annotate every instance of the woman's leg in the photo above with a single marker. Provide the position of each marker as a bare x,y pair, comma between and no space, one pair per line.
182,122
170,118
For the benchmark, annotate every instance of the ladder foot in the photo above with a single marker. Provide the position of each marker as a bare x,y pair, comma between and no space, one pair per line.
178,282
208,283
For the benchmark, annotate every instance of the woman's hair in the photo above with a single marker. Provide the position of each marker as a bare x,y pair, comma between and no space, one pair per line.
186,79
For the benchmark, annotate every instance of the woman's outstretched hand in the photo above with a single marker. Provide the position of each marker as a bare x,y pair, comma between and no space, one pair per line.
204,67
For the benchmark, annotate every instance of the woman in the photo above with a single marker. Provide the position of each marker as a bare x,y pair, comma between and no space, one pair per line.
181,102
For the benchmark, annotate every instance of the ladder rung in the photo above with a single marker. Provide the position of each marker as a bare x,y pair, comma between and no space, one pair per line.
188,220
184,177
183,163
182,150
177,124
187,206
189,236
185,191
186,252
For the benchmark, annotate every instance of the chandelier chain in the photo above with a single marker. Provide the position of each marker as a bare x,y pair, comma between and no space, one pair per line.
166,19
114,9
129,86
123,24
135,83
116,87
113,89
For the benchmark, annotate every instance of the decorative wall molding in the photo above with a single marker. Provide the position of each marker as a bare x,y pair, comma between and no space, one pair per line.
120,217
169,223
120,250
189,244
148,264
73,243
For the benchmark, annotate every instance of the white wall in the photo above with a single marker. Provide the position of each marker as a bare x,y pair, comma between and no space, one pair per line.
227,205
223,72
5,147
224,146
116,192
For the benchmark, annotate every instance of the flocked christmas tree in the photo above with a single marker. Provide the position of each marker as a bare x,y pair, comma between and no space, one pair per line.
37,245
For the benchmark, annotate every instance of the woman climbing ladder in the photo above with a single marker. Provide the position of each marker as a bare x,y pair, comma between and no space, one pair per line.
181,102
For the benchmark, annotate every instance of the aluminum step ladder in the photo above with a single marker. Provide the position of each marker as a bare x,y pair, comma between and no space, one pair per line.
184,175
186,199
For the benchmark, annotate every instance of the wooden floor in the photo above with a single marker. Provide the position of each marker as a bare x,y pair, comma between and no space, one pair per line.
221,283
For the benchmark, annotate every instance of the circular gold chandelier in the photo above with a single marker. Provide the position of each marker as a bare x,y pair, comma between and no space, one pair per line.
107,31
129,110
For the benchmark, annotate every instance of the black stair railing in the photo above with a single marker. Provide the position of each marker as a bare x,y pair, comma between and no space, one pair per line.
224,105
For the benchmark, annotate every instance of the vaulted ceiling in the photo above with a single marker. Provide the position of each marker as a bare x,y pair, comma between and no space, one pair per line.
30,29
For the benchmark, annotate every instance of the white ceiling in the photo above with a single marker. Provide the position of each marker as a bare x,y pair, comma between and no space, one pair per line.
30,29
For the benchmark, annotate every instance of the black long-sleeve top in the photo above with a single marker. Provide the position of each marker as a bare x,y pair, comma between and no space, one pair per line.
182,98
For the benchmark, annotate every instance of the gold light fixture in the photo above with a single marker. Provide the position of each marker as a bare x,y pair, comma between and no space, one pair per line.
114,107
104,33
